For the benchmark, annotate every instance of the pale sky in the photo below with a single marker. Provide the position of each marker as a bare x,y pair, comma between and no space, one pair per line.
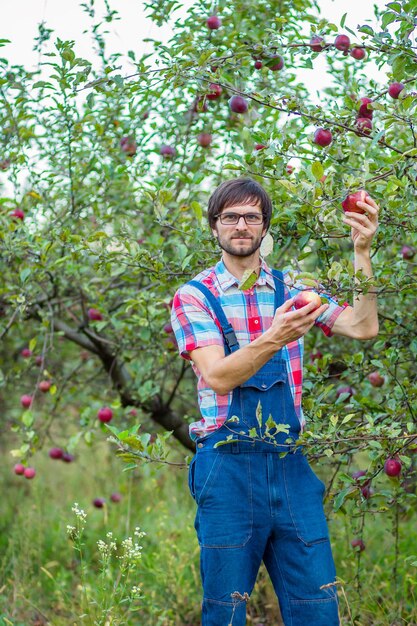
20,19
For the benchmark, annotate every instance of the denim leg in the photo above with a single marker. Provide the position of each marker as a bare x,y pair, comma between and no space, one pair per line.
232,498
298,555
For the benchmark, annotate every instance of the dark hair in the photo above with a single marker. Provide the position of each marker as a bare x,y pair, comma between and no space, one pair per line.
239,191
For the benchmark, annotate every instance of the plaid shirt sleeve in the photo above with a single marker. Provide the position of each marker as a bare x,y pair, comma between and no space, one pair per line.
192,322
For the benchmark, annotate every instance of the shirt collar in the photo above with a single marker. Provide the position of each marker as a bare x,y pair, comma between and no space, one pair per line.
227,280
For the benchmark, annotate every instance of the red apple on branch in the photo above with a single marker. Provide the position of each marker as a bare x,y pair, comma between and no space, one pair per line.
215,91
105,414
26,353
168,152
26,401
19,469
364,124
351,200
29,473
376,379
94,315
317,43
18,214
358,543
129,146
204,139
392,467
342,42
275,63
407,253
213,22
56,453
364,108
238,104
395,89
358,53
67,457
345,390
323,137
44,385
258,65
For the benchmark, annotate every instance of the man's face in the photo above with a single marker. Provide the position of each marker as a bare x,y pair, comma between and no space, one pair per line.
241,239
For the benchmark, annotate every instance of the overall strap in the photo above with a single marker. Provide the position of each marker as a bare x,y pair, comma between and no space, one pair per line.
229,336
279,288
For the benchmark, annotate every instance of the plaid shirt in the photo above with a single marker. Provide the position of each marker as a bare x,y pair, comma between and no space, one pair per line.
250,313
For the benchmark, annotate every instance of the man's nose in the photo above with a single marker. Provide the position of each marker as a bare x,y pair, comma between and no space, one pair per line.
241,223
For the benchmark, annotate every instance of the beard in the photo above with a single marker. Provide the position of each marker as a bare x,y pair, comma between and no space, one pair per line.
240,248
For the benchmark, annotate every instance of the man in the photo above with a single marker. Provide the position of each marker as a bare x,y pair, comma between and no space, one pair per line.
254,502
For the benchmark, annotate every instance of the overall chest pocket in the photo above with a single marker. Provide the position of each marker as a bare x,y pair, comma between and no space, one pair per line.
265,394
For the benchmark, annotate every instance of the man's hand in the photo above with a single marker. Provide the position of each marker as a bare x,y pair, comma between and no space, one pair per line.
290,325
363,225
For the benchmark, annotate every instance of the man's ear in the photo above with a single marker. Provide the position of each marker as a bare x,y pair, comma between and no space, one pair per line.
215,233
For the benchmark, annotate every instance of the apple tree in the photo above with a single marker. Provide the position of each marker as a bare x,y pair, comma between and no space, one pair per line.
106,168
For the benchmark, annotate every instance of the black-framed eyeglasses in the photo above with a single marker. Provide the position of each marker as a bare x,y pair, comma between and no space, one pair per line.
231,219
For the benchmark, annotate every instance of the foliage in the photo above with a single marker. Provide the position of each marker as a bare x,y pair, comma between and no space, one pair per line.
112,224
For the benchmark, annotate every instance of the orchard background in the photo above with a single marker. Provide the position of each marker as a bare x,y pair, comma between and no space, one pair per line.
104,179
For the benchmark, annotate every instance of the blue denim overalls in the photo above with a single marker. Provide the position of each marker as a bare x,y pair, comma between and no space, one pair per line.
256,504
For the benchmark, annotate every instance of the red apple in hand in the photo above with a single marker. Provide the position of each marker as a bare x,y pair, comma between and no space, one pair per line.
305,297
350,202
392,467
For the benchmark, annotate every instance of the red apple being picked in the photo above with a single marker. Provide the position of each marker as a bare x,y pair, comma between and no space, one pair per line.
350,202
305,297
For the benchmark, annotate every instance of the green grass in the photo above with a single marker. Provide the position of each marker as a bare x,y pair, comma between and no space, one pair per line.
43,580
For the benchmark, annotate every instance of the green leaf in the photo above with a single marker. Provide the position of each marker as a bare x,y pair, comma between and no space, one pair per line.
317,170
259,414
24,274
27,418
249,278
341,497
